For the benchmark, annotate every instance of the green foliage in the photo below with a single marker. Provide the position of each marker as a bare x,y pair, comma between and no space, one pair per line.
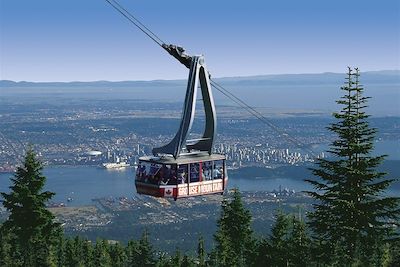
289,244
299,243
31,226
351,215
60,250
176,260
140,253
75,252
187,261
201,252
234,237
87,253
101,254
391,256
71,253
117,255
263,257
5,249
279,239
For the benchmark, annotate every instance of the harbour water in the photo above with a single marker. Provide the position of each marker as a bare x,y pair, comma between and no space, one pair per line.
81,184
84,183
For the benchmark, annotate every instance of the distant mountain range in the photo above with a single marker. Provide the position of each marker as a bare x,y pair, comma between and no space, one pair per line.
380,77
289,92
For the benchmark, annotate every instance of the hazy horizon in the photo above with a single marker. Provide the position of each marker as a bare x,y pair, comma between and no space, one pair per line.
224,77
314,93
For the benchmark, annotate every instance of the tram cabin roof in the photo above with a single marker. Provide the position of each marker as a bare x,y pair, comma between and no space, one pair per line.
183,158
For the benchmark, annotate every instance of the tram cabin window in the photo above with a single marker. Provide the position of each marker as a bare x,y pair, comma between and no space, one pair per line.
207,168
182,174
141,172
173,178
218,169
157,174
194,172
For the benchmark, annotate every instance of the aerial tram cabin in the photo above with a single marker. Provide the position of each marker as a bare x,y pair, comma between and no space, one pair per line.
191,175
184,168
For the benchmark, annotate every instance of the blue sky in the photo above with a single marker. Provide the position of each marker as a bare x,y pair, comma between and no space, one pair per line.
86,40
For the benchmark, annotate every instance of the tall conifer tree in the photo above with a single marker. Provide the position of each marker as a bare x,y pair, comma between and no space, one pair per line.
279,239
31,226
234,237
201,252
352,212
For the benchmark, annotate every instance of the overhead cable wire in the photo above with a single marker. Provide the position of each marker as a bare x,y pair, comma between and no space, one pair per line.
262,118
135,21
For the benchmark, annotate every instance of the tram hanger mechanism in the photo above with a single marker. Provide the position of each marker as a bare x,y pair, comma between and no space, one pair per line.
184,167
198,75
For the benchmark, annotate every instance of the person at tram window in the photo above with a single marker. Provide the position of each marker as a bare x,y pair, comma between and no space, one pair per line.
172,178
194,172
141,172
154,178
221,171
166,172
159,177
206,172
182,178
164,181
217,174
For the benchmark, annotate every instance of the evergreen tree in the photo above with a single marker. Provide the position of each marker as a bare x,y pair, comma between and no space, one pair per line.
101,254
394,254
71,253
234,236
131,251
5,249
87,252
163,260
30,224
187,261
280,234
117,255
351,212
140,253
60,250
263,255
176,260
201,252
289,243
299,244
146,250
213,258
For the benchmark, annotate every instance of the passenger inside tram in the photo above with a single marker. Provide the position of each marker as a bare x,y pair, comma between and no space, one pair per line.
194,172
207,170
182,173
218,169
162,174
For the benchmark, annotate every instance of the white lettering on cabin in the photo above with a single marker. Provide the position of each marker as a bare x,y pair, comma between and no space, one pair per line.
182,191
206,188
217,186
193,190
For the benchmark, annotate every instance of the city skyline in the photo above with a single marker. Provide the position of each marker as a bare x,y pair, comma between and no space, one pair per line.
87,41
